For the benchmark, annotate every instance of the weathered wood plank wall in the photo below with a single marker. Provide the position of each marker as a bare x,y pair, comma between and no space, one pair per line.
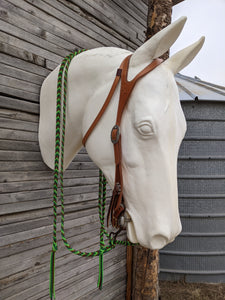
35,36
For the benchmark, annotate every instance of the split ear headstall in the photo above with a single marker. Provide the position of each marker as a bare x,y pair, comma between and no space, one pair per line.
117,206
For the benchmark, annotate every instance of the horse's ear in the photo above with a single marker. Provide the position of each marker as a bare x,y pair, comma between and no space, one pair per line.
158,44
182,58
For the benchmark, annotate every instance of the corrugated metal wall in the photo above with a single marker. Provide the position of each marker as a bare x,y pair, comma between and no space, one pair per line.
198,253
35,36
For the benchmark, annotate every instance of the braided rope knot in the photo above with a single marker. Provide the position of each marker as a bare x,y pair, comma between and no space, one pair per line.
101,251
54,247
112,243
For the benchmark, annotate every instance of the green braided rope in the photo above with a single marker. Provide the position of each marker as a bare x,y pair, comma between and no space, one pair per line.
59,149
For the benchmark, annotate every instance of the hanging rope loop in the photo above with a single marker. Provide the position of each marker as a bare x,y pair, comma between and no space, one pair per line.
58,176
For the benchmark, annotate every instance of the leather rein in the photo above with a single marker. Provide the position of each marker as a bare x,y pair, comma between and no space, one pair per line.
117,206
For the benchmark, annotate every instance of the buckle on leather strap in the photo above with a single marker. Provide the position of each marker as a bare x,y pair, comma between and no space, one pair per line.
117,188
115,134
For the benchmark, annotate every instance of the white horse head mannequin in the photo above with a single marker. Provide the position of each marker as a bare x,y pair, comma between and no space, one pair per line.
152,128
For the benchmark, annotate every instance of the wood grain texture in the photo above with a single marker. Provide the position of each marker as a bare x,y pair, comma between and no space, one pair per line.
35,36
129,272
146,264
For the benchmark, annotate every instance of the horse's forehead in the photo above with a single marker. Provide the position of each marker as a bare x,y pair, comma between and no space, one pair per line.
154,92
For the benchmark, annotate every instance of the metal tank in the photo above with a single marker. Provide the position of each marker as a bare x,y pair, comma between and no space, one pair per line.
198,253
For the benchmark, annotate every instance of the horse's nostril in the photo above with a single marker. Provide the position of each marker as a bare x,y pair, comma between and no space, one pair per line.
160,237
159,241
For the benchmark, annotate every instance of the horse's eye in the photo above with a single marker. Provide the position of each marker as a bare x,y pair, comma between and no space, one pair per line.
145,129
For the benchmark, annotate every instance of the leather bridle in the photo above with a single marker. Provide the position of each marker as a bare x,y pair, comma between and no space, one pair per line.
117,207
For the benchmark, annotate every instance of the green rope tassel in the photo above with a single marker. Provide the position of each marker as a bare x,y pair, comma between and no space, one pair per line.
101,269
52,275
101,200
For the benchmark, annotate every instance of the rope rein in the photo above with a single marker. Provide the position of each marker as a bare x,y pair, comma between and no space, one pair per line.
58,176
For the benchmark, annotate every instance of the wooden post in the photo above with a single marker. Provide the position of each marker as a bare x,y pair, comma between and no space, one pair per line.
159,16
129,272
145,274
145,285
